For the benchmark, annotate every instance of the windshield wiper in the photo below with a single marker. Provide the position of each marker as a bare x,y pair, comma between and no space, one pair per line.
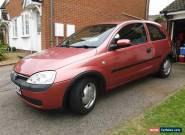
64,46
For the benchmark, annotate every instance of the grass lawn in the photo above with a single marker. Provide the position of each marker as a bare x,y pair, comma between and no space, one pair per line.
170,113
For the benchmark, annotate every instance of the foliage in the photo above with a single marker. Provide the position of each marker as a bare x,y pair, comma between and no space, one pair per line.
2,51
159,19
2,24
13,49
2,45
168,114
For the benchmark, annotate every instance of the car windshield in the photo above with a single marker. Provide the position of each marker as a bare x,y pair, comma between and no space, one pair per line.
89,37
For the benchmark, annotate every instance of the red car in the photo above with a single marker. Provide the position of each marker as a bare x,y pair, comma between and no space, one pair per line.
98,58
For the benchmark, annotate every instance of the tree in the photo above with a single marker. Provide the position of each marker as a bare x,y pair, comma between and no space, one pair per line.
160,19
2,46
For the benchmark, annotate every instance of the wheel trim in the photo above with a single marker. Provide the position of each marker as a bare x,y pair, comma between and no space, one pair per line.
167,67
89,95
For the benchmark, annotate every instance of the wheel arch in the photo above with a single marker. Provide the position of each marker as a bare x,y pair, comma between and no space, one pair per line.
94,74
170,55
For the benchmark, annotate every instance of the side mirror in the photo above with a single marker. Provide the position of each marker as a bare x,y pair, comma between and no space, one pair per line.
123,43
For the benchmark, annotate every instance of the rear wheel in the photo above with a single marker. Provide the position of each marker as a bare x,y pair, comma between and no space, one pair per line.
166,68
83,96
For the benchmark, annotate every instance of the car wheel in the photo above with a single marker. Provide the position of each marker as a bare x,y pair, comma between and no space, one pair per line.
166,68
83,96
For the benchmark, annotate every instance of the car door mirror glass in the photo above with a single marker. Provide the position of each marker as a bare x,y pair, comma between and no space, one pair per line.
123,43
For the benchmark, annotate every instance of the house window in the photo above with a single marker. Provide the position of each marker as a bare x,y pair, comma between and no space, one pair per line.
15,28
38,23
25,25
23,29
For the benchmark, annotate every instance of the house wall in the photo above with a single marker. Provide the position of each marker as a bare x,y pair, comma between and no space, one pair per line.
31,41
25,42
177,15
77,12
84,12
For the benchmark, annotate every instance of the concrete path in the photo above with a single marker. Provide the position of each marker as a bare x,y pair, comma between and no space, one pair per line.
126,102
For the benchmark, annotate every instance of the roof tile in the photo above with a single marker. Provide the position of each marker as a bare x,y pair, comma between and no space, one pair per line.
177,5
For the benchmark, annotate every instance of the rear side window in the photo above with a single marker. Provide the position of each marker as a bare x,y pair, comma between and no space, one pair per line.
155,32
135,32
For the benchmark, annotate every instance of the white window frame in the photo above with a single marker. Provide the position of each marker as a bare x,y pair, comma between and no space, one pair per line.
38,17
70,29
15,28
25,18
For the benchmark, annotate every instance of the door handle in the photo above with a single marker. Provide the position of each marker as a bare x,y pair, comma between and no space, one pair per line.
149,50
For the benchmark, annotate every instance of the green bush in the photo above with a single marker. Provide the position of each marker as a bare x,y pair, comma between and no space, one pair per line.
159,19
14,49
2,51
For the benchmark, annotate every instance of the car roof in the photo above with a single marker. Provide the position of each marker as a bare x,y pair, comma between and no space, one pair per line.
132,21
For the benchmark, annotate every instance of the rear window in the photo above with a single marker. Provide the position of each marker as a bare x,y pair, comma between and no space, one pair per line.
155,32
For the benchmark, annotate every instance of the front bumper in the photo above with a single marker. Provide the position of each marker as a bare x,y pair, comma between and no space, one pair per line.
20,80
49,98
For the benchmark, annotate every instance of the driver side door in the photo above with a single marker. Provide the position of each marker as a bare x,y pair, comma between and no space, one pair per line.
129,63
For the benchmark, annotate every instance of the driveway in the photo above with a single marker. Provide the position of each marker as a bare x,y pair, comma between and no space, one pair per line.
126,102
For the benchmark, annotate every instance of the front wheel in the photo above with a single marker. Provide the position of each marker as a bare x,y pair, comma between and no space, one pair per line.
165,69
83,96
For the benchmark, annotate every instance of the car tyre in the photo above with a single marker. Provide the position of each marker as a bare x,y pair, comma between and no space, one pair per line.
165,69
83,96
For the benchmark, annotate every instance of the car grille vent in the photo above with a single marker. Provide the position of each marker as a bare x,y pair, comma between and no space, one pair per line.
21,77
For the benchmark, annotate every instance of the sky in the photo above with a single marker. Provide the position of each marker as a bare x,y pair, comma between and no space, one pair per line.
1,1
157,5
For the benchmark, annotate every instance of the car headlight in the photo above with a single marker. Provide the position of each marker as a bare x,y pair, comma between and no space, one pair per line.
46,77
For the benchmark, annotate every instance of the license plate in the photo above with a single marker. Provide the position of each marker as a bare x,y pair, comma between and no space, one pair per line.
17,89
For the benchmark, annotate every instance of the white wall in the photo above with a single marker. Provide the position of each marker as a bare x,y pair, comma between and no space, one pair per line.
178,15
1,14
31,42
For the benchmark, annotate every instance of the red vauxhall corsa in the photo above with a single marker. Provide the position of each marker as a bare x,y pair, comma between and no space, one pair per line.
97,58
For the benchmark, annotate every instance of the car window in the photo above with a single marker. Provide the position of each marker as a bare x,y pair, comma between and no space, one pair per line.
134,32
155,32
89,37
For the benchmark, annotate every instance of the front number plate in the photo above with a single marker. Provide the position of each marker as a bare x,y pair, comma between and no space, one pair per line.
17,89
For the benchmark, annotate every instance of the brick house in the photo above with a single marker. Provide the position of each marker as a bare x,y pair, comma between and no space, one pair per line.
39,24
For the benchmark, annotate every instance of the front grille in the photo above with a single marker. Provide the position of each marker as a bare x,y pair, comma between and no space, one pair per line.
32,101
18,76
22,77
